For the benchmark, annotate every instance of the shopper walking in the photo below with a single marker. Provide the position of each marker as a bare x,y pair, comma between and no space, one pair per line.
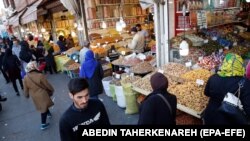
218,85
11,65
83,111
2,54
61,43
70,42
37,86
159,107
92,71
83,51
49,58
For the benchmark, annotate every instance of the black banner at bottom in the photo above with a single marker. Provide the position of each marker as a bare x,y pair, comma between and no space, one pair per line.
196,132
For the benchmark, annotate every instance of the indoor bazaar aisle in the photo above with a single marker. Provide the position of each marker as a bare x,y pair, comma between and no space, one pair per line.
19,121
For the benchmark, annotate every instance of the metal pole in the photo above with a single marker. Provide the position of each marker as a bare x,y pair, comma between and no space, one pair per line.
84,21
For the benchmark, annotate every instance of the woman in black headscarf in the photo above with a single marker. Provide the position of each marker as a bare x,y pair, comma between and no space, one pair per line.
25,54
159,107
11,65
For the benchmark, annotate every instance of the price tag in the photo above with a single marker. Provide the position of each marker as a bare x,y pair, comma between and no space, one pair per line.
123,53
220,50
200,82
141,56
235,32
117,76
161,71
98,44
227,48
206,41
107,59
132,74
127,70
188,64
200,58
120,69
235,44
214,38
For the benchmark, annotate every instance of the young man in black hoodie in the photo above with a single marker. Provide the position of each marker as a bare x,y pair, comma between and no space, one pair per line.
83,111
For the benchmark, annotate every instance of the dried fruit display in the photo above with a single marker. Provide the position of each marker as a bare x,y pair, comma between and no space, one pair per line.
193,75
73,66
174,69
186,119
240,50
102,52
144,83
190,95
132,61
123,49
196,40
72,50
118,62
212,61
245,35
211,46
142,68
130,79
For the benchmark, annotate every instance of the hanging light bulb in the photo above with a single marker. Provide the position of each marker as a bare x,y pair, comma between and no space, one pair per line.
73,33
75,25
79,27
43,30
104,25
184,48
123,24
118,26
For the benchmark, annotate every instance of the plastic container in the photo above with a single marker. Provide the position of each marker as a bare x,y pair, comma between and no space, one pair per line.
121,102
105,82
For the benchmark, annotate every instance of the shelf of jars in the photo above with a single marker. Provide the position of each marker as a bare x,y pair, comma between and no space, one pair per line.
202,14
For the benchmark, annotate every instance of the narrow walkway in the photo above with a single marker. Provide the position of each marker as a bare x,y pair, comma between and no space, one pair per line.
19,121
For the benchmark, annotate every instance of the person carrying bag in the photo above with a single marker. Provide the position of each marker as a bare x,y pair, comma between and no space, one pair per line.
221,84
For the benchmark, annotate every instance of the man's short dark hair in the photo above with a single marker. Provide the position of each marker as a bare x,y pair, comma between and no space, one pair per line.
138,25
77,85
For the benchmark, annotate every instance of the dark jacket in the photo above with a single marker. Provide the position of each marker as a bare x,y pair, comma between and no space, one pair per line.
11,64
95,83
94,114
216,88
1,59
62,45
25,53
49,58
154,110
